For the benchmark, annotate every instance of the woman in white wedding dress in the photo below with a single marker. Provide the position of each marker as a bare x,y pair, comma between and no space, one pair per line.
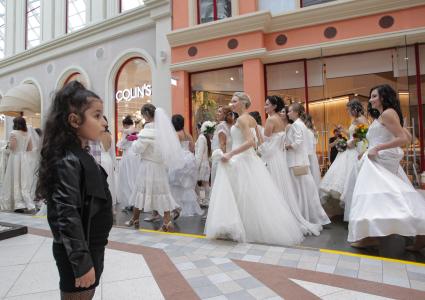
183,180
312,156
13,196
107,160
273,154
383,203
306,190
245,203
338,178
221,138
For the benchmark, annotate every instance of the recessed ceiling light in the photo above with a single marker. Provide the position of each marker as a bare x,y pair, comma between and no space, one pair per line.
231,78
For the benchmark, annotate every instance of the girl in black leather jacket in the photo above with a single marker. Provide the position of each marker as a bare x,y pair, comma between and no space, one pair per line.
79,204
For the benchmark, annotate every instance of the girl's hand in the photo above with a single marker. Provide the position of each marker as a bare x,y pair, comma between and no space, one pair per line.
87,280
372,153
226,157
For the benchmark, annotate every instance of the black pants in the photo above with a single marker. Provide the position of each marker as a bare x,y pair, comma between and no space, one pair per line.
66,275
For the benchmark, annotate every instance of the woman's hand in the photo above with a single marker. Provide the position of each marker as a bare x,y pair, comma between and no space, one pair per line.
351,144
87,280
226,157
373,153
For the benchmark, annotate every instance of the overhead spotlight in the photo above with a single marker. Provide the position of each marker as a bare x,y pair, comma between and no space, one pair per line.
296,72
231,78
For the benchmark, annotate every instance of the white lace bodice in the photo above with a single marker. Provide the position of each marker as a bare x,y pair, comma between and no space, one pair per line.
222,127
22,140
185,145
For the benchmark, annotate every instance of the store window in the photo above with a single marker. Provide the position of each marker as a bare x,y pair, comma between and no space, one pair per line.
2,27
133,89
76,11
213,10
130,4
305,3
33,25
333,81
211,90
276,7
76,76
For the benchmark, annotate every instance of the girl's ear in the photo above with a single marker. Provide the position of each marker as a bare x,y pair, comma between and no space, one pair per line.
74,120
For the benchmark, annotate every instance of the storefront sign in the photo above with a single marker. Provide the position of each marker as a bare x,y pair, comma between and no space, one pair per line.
136,92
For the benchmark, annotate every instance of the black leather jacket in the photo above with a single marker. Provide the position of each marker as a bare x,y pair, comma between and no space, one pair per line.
79,210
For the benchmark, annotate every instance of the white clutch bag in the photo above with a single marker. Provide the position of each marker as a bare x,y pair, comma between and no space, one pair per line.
300,170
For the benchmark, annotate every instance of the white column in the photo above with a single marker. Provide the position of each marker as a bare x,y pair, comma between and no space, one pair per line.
60,18
97,10
10,27
112,8
20,15
193,12
235,8
47,20
161,81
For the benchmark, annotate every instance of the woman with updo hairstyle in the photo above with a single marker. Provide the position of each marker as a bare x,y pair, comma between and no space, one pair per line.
383,204
274,155
221,139
245,204
14,195
183,179
159,150
297,147
338,183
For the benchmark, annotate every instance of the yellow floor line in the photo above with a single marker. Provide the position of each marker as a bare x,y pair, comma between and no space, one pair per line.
41,217
196,236
406,262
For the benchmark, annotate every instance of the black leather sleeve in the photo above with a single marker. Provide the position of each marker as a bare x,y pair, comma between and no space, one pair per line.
66,198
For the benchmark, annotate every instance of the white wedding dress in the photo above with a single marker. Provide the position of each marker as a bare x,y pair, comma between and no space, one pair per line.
183,182
274,156
339,177
246,205
127,171
108,164
383,203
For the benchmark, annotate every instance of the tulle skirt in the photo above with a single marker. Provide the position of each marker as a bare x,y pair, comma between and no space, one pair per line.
246,206
152,189
108,165
128,168
383,203
182,184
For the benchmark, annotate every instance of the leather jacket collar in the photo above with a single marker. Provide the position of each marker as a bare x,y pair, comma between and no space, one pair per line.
92,173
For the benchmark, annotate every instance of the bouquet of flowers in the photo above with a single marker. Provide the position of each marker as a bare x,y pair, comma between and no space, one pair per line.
341,145
360,132
208,127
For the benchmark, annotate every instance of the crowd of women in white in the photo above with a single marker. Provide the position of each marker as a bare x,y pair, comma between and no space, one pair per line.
265,182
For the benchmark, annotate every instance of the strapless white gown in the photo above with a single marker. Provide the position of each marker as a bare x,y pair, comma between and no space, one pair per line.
383,203
246,205
274,156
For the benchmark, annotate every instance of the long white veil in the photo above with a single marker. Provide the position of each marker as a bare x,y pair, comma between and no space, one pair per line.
166,140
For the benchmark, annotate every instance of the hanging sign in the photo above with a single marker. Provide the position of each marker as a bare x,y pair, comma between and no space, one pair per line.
136,92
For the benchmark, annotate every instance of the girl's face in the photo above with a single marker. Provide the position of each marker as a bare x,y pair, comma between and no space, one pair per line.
293,115
219,114
94,123
270,108
282,115
374,100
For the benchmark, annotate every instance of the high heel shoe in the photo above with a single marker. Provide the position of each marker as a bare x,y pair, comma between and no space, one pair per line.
169,227
132,222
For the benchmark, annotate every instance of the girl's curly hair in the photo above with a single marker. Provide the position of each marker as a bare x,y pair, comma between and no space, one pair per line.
58,134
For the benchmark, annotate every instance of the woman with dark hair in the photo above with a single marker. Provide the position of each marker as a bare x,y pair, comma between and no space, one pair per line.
383,204
337,179
203,152
183,180
107,159
221,139
297,146
273,154
79,205
159,150
14,195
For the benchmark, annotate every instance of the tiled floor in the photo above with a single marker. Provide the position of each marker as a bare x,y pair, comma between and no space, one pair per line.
184,267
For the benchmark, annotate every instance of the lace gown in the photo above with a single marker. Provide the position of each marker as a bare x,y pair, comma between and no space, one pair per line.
107,163
383,203
127,172
202,160
152,189
222,127
274,156
312,157
245,204
183,181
